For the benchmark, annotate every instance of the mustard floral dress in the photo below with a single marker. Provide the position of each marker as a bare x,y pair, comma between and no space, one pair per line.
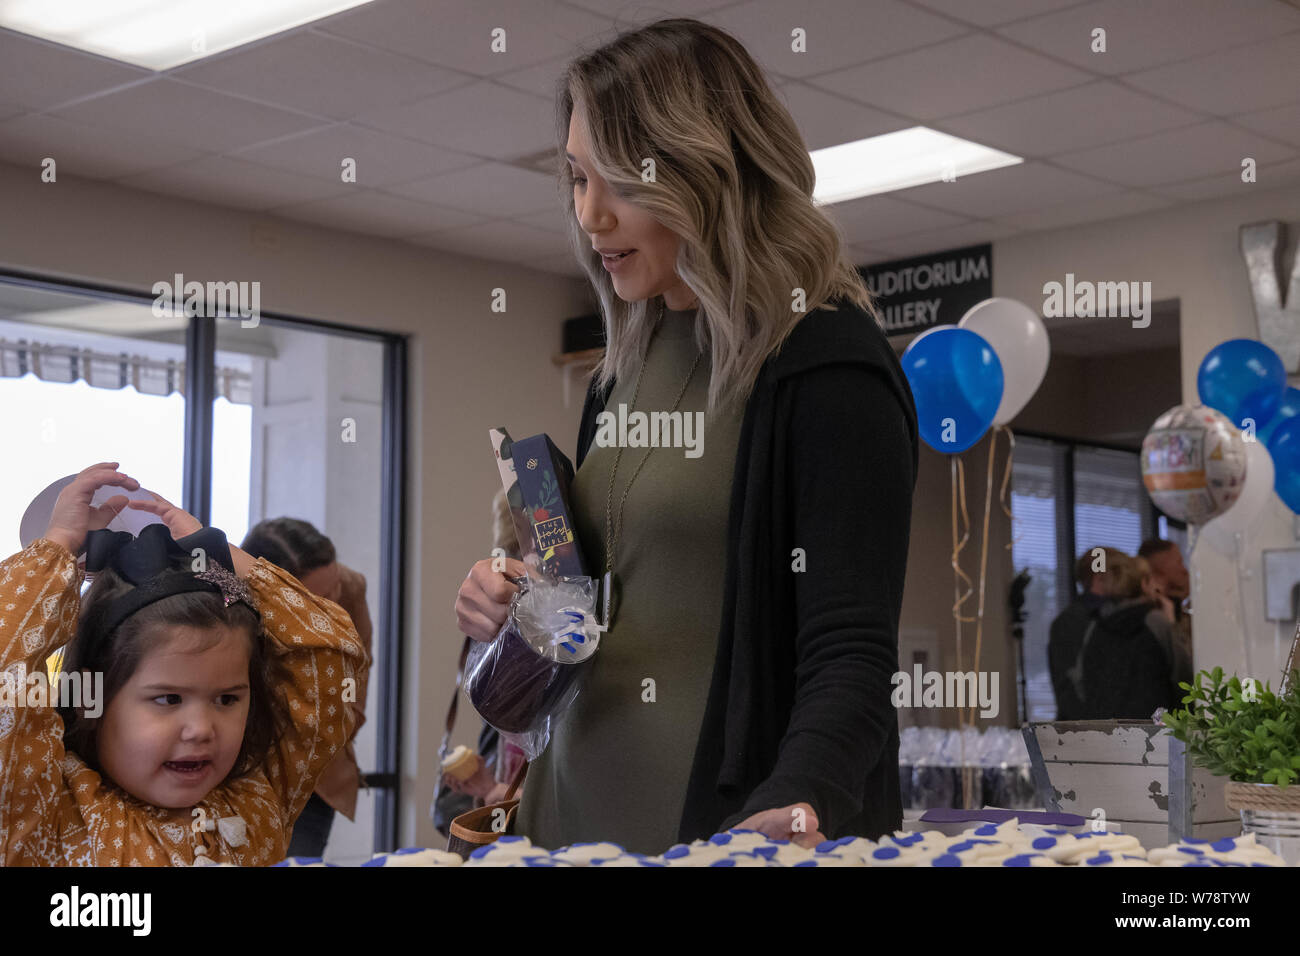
57,811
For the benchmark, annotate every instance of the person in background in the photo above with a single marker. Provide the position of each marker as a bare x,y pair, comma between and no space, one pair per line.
1131,662
1070,626
492,777
299,548
1169,580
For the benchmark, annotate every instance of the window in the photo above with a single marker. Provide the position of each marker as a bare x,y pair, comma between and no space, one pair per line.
1066,498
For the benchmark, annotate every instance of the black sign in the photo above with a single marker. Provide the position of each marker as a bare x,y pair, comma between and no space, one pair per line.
936,289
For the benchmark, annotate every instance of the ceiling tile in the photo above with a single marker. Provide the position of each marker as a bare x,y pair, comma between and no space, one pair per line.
552,221
1153,32
381,159
1272,176
825,119
940,240
868,255
484,118
540,80
556,265
989,13
1008,190
1241,80
91,152
499,241
230,182
970,73
839,34
1072,213
187,114
458,35
320,74
883,217
636,11
38,75
1068,120
1175,155
379,214
494,190
1281,124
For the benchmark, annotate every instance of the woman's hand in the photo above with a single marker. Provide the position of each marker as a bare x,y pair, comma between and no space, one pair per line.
73,517
779,824
483,602
478,784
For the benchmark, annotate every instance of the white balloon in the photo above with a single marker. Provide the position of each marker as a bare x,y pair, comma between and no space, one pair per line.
1221,533
1018,336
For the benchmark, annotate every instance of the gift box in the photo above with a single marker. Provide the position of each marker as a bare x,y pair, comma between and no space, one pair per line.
513,686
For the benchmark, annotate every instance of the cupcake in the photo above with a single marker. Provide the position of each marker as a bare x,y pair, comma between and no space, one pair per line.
461,763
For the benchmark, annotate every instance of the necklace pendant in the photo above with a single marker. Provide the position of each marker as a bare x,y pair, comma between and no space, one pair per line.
607,599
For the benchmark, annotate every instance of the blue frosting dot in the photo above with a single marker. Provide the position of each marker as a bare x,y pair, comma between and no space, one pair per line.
988,829
1022,859
720,839
947,859
377,861
677,852
909,839
766,852
826,846
1044,843
727,862
510,839
1191,851
1224,845
885,853
407,849
1194,840
1100,858
802,863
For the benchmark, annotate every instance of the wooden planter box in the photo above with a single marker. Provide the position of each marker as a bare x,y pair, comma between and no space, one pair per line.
1135,772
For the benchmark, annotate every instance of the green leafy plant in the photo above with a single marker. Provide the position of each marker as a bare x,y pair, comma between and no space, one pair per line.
1232,735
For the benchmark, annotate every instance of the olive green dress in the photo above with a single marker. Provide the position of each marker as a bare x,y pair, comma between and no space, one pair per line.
619,759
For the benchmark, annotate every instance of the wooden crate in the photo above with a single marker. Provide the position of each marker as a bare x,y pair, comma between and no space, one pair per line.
1135,772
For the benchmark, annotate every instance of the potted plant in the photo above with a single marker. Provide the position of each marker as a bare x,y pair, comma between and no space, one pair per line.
1251,736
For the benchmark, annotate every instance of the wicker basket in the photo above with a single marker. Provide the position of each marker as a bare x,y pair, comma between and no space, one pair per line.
1269,812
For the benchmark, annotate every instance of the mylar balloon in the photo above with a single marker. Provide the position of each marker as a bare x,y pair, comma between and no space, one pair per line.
1193,463
1256,492
1019,338
1243,379
956,382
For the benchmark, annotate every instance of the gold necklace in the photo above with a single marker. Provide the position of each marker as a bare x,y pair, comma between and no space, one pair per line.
612,530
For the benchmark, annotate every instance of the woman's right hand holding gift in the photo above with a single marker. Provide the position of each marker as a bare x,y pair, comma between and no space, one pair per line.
483,602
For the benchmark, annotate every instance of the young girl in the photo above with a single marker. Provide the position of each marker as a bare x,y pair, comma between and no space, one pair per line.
224,693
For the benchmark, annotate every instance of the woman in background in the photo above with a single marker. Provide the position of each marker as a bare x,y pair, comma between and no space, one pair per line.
309,556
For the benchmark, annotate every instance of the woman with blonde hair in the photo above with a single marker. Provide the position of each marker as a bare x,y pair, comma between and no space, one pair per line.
757,576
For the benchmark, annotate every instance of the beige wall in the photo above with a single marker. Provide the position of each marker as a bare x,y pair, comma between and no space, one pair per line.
472,369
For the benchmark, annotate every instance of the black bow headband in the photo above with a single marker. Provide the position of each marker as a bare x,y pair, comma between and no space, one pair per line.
150,562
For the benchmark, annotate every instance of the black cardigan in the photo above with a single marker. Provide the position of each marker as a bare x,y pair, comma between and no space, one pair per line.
799,707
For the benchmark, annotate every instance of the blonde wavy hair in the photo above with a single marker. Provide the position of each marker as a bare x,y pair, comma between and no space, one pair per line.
733,179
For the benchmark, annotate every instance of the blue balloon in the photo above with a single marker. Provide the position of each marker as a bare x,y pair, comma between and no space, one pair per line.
1285,449
955,375
1288,408
1243,379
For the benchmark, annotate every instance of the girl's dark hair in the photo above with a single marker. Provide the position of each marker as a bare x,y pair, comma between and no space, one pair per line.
117,656
289,543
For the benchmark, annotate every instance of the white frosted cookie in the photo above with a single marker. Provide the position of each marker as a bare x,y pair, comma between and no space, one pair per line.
915,855
699,853
1090,844
1107,858
503,851
415,856
585,854
855,848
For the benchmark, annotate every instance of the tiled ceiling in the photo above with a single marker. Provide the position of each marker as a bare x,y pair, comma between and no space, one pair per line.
451,140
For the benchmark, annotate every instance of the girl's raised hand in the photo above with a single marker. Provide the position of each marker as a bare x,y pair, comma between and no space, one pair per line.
73,517
178,521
